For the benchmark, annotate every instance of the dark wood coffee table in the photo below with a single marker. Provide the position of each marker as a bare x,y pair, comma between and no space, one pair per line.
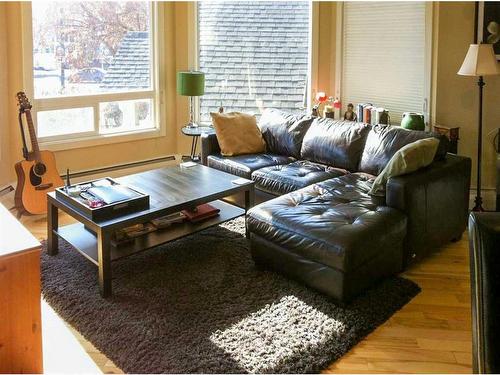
171,190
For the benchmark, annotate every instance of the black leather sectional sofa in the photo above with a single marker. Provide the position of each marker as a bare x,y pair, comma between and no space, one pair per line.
319,224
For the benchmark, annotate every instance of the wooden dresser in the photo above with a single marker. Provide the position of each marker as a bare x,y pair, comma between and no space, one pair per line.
20,318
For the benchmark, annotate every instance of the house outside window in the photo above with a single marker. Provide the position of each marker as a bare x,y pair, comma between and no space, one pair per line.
255,55
93,69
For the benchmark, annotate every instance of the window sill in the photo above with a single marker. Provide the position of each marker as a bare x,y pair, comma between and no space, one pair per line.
99,140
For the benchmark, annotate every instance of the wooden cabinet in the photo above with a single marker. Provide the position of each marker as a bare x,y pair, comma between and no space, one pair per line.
20,316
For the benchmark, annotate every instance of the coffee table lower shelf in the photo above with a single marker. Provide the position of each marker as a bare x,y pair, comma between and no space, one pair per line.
86,242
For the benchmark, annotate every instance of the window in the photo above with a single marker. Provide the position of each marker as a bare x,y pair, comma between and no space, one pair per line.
385,56
93,68
254,55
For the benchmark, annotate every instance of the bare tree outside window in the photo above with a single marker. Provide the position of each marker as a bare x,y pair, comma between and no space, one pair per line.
92,48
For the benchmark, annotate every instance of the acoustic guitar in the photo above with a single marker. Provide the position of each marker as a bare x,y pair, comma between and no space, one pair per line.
37,174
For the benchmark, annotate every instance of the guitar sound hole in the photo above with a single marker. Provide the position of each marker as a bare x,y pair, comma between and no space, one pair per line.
34,178
40,169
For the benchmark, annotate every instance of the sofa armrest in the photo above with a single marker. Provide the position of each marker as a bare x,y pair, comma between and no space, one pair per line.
484,244
209,146
435,200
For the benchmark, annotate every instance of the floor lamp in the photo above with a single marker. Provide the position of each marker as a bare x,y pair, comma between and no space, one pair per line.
480,61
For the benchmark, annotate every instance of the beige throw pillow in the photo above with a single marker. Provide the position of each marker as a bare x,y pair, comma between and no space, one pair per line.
237,133
407,159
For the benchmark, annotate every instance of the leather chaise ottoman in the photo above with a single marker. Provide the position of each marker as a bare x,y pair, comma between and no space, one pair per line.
330,236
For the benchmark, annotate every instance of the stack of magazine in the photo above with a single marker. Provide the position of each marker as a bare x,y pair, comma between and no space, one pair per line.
112,193
128,234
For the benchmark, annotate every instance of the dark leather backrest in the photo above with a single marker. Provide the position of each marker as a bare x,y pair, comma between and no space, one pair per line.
484,238
385,140
334,142
283,132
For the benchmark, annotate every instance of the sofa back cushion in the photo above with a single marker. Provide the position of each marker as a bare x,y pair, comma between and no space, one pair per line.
237,133
385,140
283,132
336,143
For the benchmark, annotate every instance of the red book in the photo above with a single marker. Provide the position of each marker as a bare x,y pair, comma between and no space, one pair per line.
202,212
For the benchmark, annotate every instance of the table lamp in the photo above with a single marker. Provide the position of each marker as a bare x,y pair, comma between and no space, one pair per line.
480,61
191,83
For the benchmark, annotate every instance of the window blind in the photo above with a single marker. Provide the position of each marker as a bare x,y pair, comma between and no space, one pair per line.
384,56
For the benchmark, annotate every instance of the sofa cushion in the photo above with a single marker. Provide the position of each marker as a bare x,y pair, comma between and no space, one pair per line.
282,179
283,132
336,143
244,165
334,223
384,140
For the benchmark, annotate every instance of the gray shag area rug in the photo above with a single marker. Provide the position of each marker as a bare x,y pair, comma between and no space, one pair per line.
201,305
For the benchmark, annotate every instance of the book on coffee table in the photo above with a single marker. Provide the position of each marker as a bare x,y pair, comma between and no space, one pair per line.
166,221
113,194
202,212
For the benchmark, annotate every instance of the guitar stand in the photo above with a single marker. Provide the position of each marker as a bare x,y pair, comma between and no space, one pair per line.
19,212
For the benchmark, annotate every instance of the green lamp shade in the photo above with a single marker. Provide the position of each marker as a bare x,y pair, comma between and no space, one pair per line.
190,83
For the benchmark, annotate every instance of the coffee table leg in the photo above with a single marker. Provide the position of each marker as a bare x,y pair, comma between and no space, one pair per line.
52,225
104,258
249,203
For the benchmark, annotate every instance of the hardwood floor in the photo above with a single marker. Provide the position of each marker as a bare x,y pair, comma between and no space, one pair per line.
431,334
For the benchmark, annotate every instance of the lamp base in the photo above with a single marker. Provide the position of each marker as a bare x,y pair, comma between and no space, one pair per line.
192,125
478,207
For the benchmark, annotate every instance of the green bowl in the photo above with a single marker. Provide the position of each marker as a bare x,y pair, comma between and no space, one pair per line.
413,121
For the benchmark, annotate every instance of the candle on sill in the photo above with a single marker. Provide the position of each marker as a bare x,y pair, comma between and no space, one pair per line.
337,105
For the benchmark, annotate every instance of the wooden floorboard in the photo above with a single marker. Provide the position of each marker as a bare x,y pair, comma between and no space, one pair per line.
431,334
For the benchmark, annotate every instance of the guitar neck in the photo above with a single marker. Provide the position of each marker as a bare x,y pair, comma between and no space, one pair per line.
31,129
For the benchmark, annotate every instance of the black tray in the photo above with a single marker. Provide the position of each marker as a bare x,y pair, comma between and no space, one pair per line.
108,211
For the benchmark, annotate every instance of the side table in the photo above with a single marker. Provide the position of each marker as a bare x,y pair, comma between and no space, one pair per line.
195,133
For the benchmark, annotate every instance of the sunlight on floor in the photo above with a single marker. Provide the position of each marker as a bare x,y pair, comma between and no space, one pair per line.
276,333
62,353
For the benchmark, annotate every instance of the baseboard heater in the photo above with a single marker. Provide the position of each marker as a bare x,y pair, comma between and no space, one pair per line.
6,190
111,168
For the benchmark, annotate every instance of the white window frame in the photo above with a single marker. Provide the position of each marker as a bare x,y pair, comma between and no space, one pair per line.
312,53
426,105
93,138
